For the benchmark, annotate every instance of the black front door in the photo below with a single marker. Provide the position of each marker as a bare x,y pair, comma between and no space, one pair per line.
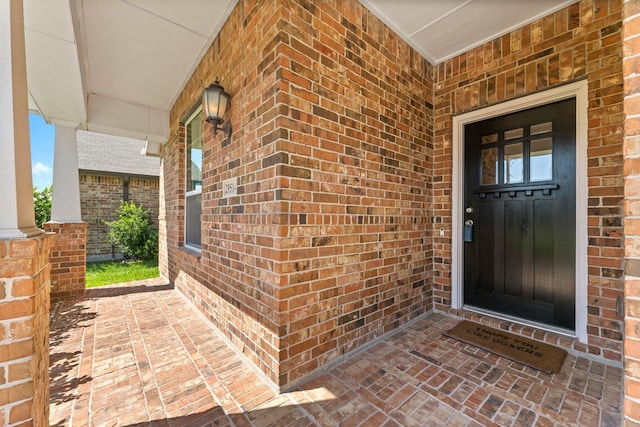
519,256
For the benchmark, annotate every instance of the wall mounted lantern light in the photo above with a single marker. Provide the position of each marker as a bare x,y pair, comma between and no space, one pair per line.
216,102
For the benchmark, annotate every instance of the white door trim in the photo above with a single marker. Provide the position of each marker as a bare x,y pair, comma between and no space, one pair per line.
579,90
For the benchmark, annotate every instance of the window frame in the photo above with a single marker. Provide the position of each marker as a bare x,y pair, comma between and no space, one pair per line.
198,191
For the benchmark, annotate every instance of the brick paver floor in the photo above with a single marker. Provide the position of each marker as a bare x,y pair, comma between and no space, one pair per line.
139,355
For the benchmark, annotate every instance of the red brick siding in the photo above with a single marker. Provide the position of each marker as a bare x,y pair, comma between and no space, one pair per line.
580,41
146,192
327,244
355,181
231,282
342,151
163,241
631,65
24,330
68,258
100,196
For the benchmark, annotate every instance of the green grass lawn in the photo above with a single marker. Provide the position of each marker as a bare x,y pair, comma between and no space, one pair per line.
106,273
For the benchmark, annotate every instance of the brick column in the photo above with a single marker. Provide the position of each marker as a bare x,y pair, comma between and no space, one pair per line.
631,65
68,258
24,331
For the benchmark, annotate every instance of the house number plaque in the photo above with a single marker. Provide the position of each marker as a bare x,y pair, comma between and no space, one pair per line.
230,187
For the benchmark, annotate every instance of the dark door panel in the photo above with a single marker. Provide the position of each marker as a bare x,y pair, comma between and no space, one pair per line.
520,186
544,251
514,220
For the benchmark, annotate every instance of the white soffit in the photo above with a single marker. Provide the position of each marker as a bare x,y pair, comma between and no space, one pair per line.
140,55
53,69
442,29
134,55
119,65
52,17
144,51
199,16
116,66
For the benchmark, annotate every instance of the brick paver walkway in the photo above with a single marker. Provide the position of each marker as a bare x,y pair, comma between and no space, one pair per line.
139,354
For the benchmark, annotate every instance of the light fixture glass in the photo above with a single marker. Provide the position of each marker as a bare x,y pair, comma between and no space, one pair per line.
216,102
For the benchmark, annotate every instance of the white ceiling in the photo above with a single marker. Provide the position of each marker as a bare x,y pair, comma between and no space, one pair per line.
117,66
442,29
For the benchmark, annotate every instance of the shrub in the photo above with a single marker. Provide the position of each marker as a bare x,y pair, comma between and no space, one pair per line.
133,233
42,205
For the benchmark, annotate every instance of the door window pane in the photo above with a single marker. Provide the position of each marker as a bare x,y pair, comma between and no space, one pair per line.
541,128
514,133
488,139
541,160
490,166
513,164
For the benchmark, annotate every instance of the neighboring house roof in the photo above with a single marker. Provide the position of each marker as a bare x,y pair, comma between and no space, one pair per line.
114,154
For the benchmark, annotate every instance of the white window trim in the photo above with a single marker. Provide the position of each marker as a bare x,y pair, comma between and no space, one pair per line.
192,192
579,90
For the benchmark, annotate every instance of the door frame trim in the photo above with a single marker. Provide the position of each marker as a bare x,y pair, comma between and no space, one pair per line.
579,90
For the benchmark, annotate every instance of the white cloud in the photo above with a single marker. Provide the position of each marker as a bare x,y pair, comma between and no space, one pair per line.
40,168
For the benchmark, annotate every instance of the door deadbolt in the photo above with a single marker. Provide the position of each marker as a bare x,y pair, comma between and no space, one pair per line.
469,210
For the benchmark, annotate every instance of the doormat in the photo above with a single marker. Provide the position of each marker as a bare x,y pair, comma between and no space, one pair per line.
535,354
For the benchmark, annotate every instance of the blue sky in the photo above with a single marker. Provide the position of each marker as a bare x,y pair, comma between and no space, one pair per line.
42,137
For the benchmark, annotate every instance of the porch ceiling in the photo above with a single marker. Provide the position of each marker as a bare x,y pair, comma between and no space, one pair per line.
442,29
117,67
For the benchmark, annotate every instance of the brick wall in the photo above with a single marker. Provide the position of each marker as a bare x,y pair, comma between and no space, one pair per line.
100,196
225,282
146,192
327,245
24,331
355,181
342,149
163,235
68,258
581,41
631,35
